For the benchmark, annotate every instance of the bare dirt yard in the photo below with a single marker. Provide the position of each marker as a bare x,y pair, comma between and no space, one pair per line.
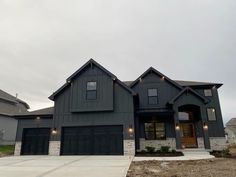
219,167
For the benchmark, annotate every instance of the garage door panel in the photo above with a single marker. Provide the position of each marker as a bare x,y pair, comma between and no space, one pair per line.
101,146
94,140
35,141
83,145
70,139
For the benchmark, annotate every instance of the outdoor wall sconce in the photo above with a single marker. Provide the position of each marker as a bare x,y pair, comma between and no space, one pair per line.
205,126
163,78
140,79
177,127
37,118
130,129
54,131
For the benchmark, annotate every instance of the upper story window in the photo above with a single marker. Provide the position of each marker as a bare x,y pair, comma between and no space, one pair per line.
208,92
152,96
155,131
91,91
211,113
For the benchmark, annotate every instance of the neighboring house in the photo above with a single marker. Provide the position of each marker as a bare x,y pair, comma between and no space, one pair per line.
97,114
230,131
9,106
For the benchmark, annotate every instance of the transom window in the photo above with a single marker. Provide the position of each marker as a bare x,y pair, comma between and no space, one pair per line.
91,91
208,92
155,131
211,113
185,116
152,96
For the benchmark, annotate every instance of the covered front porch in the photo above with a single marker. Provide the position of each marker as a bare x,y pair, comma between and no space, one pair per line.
179,129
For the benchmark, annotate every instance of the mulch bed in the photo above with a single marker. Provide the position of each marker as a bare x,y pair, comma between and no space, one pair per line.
170,154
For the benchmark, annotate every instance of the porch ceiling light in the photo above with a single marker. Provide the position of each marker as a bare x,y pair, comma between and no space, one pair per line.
177,127
54,131
205,125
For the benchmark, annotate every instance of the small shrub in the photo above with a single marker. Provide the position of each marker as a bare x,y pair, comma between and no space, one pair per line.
225,152
150,149
173,151
143,151
165,149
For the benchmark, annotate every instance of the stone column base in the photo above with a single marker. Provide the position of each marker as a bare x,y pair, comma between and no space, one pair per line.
200,142
157,143
17,148
218,143
129,147
54,148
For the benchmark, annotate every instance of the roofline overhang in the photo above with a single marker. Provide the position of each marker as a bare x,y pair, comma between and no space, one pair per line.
46,116
151,69
171,102
91,61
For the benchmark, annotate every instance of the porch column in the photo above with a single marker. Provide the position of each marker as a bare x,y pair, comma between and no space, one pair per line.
137,133
205,131
177,132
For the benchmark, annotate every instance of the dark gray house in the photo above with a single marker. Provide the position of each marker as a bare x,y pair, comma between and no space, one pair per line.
97,114
9,106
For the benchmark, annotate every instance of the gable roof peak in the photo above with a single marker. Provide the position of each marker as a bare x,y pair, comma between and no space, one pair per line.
188,89
157,73
90,61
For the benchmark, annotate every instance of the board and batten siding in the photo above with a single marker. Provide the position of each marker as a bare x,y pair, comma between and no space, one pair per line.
166,91
216,128
32,123
104,100
122,113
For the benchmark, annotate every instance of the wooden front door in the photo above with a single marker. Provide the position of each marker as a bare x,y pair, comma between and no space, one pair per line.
187,135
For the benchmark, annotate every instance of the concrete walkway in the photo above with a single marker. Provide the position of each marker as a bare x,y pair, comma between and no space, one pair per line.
64,166
180,158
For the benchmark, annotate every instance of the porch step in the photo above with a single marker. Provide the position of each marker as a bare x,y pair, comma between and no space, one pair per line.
194,152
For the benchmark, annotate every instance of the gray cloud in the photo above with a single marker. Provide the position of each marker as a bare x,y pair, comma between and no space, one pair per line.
43,42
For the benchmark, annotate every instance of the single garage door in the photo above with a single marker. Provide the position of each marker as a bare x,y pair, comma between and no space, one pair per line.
35,141
92,140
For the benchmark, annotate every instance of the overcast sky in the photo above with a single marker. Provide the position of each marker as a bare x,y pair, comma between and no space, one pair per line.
42,42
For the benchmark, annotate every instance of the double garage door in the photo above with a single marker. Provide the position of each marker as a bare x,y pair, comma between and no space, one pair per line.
89,140
92,140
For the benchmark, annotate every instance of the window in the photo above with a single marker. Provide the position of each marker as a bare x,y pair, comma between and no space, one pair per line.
185,116
91,91
155,131
152,96
211,113
208,92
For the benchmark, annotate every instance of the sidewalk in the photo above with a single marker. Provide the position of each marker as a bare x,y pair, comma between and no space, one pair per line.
180,158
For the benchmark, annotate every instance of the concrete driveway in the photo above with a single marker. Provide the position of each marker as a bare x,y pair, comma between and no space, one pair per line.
64,166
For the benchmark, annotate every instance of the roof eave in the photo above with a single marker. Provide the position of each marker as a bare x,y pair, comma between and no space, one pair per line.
158,73
171,102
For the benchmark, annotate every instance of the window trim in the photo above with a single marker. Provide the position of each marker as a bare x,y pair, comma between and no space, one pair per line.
208,114
152,96
94,90
154,130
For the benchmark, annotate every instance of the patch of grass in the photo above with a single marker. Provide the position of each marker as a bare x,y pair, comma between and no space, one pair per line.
6,149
